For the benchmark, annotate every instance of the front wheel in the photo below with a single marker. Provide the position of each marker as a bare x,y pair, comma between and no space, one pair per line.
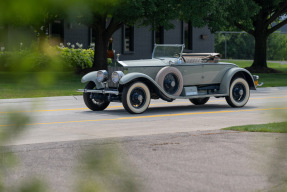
238,93
91,103
136,97
199,101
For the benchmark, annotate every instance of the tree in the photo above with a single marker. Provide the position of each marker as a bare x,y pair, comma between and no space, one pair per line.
112,16
259,18
241,46
153,13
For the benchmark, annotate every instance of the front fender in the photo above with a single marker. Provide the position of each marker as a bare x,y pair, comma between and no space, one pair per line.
92,76
226,80
140,76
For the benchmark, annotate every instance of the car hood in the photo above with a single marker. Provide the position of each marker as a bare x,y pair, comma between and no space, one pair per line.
142,63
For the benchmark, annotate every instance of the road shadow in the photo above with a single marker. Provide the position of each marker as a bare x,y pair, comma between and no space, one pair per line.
154,110
172,109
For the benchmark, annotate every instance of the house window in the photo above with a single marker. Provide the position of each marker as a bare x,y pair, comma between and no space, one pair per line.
57,31
128,39
187,28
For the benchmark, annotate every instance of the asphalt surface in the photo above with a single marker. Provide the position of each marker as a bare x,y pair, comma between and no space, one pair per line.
171,147
184,162
67,118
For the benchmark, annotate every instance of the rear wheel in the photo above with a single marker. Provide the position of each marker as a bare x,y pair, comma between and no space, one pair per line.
91,103
239,93
136,97
199,101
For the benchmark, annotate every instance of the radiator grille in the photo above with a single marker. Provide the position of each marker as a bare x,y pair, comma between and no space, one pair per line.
110,71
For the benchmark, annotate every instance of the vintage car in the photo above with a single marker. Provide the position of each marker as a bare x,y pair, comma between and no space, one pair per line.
168,75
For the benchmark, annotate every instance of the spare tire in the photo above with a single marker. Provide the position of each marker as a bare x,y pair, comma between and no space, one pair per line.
171,80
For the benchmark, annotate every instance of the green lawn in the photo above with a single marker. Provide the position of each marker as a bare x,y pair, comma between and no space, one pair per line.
269,80
45,84
270,127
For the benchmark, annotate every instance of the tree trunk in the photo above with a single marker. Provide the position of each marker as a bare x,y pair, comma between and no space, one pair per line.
102,36
100,51
260,56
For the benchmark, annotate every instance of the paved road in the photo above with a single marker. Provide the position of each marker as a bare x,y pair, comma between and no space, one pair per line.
172,147
67,118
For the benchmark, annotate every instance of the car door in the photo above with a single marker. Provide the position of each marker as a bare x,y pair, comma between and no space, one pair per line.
191,73
212,73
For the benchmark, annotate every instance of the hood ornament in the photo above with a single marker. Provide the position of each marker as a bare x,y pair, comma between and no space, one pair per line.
118,57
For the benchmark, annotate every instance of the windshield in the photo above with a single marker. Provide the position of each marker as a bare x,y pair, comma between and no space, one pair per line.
162,51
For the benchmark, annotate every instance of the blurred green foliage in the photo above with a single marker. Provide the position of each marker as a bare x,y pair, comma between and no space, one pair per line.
21,12
277,47
45,60
63,59
30,60
241,46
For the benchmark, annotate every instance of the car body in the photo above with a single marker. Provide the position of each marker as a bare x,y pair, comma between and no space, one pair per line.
168,75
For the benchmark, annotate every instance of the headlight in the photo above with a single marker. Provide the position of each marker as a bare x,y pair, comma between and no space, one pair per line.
116,76
255,78
102,76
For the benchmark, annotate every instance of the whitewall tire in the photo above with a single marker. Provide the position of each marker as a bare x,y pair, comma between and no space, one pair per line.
171,80
136,98
239,93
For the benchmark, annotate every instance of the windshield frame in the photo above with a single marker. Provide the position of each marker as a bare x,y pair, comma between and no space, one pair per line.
167,45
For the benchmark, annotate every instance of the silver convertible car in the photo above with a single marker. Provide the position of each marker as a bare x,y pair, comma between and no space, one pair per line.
168,75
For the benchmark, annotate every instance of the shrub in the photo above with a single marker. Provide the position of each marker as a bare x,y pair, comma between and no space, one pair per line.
77,59
29,60
68,59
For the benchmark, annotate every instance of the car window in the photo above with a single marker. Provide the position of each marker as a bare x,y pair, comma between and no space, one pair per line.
162,51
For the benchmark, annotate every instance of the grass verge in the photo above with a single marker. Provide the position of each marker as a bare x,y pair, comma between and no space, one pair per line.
271,79
270,127
44,84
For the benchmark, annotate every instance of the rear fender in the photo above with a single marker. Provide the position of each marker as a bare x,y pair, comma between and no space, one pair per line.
233,73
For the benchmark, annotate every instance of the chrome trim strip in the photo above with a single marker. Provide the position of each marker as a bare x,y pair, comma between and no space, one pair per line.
122,63
103,91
